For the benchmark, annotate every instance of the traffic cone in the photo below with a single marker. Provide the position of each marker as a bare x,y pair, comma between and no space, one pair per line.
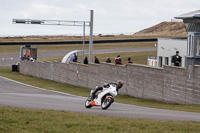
11,58
3,59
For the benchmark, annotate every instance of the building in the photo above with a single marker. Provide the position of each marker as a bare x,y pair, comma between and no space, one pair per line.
192,24
167,47
152,61
189,47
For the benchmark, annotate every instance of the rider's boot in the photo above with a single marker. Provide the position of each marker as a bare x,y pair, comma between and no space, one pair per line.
92,97
94,92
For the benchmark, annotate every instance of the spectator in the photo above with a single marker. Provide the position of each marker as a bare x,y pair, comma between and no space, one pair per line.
176,59
118,57
96,60
27,54
129,60
74,58
117,61
108,60
85,60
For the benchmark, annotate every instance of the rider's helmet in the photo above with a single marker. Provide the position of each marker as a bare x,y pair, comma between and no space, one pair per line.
119,84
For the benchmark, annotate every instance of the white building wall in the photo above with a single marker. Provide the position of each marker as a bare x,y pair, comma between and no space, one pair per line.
167,47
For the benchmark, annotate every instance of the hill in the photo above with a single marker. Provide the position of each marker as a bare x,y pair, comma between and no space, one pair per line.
164,29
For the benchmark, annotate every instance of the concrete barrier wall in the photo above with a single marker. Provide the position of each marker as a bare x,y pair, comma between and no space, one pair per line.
168,84
36,69
192,92
145,82
174,84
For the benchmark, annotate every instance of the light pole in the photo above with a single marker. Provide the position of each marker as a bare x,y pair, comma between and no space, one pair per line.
65,23
83,41
91,37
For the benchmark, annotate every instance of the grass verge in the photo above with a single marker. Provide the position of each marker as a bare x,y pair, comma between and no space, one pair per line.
15,120
52,85
4,49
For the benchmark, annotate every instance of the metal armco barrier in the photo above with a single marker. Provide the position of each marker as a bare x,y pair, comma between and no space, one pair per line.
79,42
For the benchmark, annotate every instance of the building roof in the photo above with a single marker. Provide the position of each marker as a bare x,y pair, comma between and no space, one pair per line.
194,14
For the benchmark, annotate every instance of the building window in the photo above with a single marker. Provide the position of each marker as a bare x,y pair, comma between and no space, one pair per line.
189,45
166,60
198,45
192,46
160,61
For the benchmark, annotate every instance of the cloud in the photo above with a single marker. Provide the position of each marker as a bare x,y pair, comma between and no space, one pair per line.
113,16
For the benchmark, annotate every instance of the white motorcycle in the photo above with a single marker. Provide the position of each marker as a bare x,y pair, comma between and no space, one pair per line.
103,98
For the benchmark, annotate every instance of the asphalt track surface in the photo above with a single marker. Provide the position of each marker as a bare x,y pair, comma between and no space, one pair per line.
15,94
8,62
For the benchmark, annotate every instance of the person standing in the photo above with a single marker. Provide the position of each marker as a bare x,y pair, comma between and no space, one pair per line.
108,60
96,60
118,57
176,59
117,61
85,60
27,54
75,58
129,60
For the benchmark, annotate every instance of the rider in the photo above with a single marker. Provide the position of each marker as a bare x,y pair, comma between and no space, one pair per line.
118,85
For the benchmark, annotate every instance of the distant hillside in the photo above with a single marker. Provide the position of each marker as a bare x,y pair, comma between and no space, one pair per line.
166,29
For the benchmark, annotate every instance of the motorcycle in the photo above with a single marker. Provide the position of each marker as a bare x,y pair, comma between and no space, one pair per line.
103,98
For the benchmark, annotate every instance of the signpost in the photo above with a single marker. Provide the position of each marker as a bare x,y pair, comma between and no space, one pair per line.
66,23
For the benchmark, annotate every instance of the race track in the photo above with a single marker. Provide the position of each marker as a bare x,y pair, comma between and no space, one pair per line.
16,94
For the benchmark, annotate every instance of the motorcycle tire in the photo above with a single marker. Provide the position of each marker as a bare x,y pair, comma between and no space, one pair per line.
88,104
107,102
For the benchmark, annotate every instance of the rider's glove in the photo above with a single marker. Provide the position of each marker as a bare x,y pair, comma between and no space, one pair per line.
106,85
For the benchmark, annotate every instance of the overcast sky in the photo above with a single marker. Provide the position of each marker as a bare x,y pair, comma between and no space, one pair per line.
110,16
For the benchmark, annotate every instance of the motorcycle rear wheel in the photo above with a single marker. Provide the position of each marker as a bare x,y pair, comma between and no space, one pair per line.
107,102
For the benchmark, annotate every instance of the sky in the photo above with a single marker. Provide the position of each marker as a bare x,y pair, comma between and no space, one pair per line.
110,16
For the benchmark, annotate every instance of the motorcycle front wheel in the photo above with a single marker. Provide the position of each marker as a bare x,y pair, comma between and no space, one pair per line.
107,102
88,103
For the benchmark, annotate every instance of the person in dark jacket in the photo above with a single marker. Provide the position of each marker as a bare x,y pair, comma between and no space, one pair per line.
85,60
129,60
108,60
117,61
96,60
176,59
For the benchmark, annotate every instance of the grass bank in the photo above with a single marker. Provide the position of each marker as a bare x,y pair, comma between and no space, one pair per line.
4,49
75,38
47,84
14,120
